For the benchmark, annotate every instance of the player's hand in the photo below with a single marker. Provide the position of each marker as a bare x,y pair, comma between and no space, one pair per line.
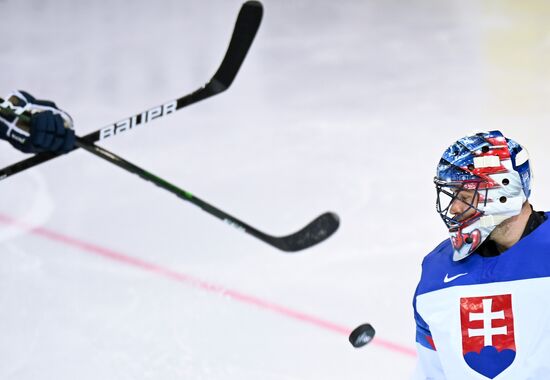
50,128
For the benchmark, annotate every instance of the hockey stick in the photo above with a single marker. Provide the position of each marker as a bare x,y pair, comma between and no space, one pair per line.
246,26
245,29
315,232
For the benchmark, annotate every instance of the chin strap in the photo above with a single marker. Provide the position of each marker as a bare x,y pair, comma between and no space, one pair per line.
492,220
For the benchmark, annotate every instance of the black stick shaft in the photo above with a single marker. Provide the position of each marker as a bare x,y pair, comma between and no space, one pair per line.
162,183
314,233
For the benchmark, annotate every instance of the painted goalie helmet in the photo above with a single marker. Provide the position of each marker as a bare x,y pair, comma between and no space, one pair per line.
494,173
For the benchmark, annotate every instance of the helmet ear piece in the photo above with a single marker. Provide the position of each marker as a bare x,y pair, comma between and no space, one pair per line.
520,162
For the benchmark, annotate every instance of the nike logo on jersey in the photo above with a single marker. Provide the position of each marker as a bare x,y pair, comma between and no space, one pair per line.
449,279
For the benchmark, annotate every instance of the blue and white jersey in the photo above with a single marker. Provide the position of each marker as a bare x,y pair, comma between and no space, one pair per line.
485,317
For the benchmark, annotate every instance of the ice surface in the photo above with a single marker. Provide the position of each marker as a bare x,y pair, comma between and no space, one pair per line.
340,105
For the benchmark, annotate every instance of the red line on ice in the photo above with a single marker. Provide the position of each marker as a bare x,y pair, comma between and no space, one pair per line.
196,282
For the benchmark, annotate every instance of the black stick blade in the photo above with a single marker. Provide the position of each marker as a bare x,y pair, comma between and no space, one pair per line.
246,26
315,232
362,335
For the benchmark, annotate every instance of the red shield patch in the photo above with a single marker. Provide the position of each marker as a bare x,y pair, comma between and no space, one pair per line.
488,343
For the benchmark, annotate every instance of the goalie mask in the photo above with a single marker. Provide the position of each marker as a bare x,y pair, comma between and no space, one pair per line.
482,180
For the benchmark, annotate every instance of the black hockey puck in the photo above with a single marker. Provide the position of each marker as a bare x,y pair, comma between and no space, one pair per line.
362,335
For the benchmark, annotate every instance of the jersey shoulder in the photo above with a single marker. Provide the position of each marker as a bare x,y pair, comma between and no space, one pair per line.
441,251
435,267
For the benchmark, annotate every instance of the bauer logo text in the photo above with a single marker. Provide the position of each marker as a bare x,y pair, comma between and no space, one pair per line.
144,117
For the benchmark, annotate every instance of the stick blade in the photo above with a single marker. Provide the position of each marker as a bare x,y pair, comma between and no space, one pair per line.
320,229
246,27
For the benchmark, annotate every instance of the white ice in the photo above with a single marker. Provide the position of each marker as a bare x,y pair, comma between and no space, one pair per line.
340,105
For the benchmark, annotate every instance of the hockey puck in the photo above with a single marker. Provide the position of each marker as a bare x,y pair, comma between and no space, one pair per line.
362,335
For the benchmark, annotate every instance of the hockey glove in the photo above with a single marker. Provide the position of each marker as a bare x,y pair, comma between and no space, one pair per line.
50,129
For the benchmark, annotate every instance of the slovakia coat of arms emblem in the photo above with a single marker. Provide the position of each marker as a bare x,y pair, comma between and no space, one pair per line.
488,343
